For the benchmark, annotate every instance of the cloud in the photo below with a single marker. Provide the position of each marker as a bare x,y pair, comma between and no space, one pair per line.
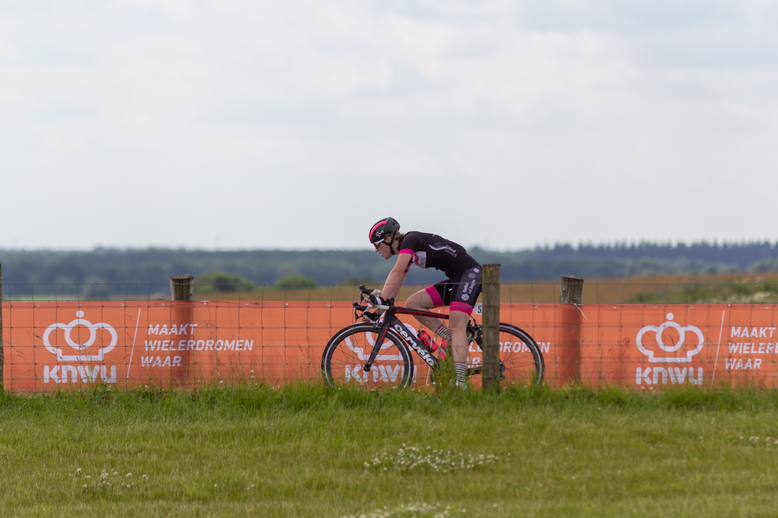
566,112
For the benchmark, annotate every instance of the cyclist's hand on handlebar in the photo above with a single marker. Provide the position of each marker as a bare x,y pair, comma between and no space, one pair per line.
371,316
378,301
373,297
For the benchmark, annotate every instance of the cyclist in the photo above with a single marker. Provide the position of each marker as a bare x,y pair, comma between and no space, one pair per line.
460,291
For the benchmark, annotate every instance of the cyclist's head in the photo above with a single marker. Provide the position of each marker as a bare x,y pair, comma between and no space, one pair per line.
385,227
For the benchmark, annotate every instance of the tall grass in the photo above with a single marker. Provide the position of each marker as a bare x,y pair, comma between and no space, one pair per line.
310,451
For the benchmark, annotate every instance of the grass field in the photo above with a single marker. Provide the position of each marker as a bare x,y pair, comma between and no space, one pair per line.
741,287
687,289
308,451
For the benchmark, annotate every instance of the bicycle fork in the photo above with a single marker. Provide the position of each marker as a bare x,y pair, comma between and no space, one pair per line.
379,340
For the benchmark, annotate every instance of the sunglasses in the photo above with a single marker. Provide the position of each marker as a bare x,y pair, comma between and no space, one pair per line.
376,245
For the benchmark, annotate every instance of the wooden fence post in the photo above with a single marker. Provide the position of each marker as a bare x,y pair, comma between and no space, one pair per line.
182,287
490,374
2,344
568,331
182,316
572,290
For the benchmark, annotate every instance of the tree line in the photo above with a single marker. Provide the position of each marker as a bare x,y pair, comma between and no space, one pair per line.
113,272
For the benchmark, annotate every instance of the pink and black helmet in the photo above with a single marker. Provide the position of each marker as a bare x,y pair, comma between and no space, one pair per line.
383,228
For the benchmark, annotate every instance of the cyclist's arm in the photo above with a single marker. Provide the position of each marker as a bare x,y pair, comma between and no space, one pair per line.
396,277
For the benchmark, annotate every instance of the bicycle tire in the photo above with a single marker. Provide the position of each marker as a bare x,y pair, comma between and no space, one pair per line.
519,367
520,357
344,357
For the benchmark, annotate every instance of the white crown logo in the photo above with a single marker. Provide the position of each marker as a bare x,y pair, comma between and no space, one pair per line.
365,355
682,330
80,347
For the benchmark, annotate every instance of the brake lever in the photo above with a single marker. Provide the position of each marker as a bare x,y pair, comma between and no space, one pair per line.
364,304
364,313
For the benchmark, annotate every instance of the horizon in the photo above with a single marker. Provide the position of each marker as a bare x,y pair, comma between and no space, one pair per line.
540,247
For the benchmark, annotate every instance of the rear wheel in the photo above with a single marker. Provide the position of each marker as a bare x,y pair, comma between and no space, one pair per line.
345,355
520,358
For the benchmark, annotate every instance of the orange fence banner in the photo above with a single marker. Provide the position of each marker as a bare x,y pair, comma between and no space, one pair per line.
52,346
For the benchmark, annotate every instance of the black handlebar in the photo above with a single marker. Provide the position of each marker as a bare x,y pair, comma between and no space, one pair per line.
364,294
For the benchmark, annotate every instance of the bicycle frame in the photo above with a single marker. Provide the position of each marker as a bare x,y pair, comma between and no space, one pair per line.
391,321
519,365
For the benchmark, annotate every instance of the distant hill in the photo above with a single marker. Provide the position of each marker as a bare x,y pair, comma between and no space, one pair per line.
111,272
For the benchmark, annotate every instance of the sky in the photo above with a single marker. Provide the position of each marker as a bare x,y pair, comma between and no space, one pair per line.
505,124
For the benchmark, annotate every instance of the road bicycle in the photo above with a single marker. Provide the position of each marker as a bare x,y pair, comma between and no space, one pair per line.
377,353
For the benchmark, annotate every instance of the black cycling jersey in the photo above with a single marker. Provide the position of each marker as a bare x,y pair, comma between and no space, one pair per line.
433,251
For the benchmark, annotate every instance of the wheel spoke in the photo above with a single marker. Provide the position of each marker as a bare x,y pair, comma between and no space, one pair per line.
521,360
346,356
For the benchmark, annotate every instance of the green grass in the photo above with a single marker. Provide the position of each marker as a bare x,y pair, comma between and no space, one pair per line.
308,451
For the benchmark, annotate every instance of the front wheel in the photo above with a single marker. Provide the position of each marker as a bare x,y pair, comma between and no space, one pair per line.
344,358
